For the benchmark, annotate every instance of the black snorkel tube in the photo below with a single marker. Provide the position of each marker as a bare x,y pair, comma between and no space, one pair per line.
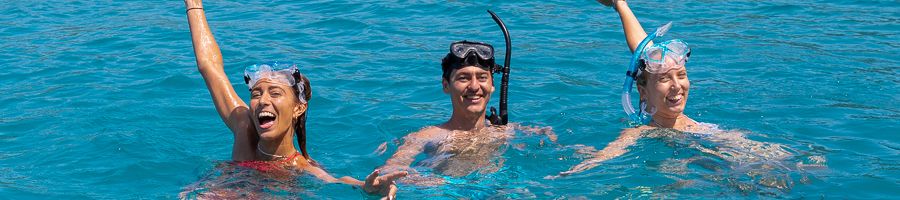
503,118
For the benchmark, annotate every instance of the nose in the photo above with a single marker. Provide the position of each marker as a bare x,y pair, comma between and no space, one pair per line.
265,100
676,85
474,85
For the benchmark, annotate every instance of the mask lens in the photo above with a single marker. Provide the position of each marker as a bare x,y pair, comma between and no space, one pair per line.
654,54
678,51
460,49
484,51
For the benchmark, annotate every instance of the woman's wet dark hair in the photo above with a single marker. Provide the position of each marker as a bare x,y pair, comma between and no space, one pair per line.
300,124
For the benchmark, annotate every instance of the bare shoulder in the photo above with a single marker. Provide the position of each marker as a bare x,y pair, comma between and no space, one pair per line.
426,134
635,130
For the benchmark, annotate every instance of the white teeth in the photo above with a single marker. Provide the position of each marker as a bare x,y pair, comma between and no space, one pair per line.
266,114
675,98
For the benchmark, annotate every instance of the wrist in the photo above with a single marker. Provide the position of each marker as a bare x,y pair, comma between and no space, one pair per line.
189,9
619,4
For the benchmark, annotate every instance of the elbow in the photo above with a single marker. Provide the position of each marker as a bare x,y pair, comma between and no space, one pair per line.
209,64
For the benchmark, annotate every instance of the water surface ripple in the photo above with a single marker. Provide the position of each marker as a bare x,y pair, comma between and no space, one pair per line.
102,99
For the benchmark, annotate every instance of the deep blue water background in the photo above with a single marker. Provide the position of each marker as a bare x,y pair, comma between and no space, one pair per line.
102,99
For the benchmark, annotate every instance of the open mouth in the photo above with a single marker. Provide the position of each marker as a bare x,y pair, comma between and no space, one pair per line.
266,119
675,100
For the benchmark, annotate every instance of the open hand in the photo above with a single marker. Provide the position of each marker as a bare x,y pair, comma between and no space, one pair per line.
383,185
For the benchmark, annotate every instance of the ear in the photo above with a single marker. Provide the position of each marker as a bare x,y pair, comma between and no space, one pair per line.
641,91
491,84
446,85
299,110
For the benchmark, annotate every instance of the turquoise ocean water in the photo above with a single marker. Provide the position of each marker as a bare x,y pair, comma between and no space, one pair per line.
102,99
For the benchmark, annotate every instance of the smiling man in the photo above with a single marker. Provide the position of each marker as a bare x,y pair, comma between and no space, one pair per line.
466,142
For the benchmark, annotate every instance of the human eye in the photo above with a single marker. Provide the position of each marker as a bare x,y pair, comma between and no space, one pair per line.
483,77
462,78
276,92
255,94
663,79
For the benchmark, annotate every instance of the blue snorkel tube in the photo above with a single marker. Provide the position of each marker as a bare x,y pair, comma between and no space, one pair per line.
633,72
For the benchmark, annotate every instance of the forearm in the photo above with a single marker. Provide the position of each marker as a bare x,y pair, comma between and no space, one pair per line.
209,57
351,181
619,146
634,33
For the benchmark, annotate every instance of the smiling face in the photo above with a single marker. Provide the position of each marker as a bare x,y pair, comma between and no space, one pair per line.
667,92
274,107
470,89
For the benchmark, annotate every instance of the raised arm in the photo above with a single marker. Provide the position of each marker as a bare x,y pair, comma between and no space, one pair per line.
634,33
209,63
232,110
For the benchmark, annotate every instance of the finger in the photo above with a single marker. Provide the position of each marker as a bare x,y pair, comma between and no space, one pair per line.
392,194
394,176
370,180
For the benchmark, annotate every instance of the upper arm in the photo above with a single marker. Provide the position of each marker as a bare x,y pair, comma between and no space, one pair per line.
413,145
231,108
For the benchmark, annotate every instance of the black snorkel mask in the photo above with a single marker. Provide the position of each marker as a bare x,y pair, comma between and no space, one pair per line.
468,53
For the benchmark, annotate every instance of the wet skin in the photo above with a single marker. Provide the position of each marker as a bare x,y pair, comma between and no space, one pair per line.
464,143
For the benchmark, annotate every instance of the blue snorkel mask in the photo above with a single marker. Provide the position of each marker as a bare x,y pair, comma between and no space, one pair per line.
655,60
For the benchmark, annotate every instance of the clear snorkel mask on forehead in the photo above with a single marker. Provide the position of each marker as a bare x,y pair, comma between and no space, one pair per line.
287,74
654,60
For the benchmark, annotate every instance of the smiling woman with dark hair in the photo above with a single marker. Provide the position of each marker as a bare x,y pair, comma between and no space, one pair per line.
264,131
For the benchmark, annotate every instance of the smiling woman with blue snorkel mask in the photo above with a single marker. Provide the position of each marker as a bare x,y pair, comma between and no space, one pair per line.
663,86
659,72
264,130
